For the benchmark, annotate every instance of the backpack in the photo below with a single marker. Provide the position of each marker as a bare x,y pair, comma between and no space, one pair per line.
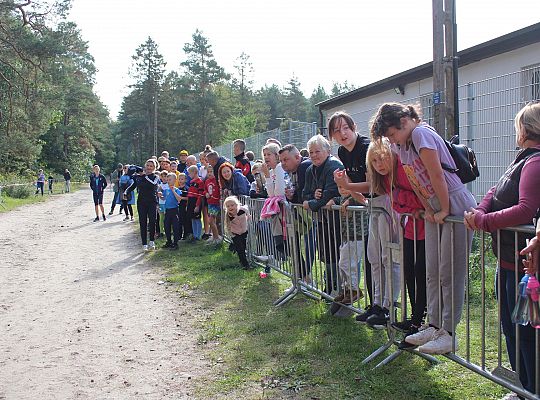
465,159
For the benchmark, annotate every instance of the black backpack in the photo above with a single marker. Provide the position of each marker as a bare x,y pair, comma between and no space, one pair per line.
465,159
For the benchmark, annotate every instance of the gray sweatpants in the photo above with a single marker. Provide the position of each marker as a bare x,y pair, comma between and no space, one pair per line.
443,259
381,231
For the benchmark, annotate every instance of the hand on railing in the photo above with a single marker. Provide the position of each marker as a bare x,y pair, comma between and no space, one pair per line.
468,219
532,253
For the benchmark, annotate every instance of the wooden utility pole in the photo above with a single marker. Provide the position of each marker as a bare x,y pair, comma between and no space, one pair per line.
445,101
451,68
438,68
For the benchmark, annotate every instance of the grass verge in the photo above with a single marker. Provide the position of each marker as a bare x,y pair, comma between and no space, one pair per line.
7,203
297,351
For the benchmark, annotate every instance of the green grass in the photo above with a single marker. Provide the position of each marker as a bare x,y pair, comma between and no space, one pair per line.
7,203
298,351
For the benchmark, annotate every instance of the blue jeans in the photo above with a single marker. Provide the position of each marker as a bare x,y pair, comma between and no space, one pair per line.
527,345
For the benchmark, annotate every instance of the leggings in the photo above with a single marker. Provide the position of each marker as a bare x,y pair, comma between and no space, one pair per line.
415,277
127,207
240,246
147,220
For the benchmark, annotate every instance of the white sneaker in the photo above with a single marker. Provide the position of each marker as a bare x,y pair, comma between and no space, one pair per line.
210,242
440,344
145,247
424,335
151,245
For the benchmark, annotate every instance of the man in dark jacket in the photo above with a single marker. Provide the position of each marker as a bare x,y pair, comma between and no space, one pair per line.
98,183
242,162
296,165
115,178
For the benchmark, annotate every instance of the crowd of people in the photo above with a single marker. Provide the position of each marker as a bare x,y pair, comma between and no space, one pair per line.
399,169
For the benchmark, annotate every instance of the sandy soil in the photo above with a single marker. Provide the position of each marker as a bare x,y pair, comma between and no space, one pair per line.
83,314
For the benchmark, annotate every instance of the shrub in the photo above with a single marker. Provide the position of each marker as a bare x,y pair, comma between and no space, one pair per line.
18,192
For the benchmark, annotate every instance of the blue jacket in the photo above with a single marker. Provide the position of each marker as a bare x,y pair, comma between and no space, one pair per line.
101,184
238,185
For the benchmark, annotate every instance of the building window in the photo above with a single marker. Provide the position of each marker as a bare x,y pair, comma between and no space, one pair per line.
530,83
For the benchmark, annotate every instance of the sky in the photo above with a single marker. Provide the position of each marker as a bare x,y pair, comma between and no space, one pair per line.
319,42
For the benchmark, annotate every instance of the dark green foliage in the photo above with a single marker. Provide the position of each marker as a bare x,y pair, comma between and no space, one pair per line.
49,115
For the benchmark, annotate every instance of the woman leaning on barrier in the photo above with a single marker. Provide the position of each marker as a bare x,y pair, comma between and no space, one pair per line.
514,200
319,188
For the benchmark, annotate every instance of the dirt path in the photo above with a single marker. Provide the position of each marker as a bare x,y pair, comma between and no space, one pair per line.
82,315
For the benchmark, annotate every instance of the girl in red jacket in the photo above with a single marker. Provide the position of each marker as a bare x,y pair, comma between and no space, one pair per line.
388,177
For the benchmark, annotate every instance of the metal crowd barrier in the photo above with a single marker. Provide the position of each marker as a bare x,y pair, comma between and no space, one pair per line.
309,255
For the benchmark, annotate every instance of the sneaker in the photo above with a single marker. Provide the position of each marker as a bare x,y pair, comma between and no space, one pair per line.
205,236
368,312
126,219
151,245
402,326
167,245
441,343
424,335
145,247
174,246
351,296
120,212
210,242
111,212
104,219
132,217
379,319
188,237
96,219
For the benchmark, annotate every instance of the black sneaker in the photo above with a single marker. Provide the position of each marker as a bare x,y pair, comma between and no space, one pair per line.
167,245
96,219
174,246
205,236
368,312
111,212
104,219
379,319
403,326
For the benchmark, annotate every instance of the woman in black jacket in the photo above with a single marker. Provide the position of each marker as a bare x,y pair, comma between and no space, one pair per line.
147,184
